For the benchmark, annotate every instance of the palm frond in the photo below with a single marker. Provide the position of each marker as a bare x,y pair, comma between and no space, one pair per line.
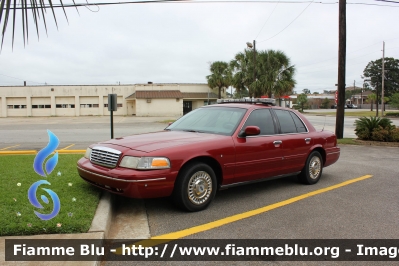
8,9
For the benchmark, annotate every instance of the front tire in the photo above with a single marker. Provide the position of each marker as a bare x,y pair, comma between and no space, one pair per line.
195,187
313,169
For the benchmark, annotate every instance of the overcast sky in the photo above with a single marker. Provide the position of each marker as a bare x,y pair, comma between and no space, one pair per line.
175,42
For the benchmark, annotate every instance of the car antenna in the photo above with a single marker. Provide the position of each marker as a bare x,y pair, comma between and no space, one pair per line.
325,118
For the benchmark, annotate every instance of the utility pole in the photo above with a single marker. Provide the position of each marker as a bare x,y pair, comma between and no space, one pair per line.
354,88
255,62
250,45
339,122
383,78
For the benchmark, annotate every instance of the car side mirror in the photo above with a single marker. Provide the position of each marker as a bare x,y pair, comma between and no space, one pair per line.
250,131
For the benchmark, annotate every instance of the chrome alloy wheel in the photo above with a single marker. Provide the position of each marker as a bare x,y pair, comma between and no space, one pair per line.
314,167
199,187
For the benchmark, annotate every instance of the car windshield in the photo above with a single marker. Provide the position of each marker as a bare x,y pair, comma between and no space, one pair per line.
216,120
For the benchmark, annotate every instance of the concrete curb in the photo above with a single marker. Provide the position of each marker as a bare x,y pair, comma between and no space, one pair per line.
376,143
103,216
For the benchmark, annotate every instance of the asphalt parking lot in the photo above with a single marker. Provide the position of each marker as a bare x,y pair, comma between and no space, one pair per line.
29,133
365,209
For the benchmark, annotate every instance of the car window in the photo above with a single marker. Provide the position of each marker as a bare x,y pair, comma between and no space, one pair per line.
287,124
300,127
218,120
261,118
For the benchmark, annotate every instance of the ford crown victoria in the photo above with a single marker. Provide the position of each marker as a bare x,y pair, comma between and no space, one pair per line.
232,143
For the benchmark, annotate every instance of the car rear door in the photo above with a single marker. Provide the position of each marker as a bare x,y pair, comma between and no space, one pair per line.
258,156
296,140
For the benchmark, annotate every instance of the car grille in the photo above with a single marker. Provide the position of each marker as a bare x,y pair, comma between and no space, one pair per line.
105,156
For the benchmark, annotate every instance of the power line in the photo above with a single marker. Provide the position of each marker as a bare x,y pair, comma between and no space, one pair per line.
267,20
388,1
22,79
288,24
196,2
354,51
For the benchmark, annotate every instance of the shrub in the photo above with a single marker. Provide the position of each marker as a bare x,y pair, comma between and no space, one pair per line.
365,126
392,114
395,134
381,134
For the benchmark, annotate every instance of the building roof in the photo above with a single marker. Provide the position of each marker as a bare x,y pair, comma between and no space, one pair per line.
199,95
160,84
111,85
316,96
351,88
364,94
164,94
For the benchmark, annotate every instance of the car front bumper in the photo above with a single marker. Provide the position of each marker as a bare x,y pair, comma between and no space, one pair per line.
128,182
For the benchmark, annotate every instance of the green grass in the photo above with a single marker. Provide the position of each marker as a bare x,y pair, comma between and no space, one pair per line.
16,177
347,141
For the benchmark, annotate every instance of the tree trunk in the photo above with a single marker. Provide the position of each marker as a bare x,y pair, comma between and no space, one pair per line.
376,106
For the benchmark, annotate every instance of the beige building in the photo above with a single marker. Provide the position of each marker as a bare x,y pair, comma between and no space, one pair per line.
138,99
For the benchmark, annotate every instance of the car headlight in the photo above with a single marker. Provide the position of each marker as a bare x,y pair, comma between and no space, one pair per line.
88,153
145,162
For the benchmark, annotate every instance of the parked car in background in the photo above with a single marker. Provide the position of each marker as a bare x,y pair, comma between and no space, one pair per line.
232,143
346,106
351,106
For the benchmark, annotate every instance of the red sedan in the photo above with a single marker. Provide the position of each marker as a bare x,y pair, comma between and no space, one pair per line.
217,146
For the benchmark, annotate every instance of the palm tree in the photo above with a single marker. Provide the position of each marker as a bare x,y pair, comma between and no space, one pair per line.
8,12
220,77
242,66
274,73
371,98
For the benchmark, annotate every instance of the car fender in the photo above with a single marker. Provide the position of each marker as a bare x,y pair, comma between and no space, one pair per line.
320,149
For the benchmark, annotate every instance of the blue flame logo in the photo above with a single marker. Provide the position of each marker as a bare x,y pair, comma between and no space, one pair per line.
49,167
44,153
32,198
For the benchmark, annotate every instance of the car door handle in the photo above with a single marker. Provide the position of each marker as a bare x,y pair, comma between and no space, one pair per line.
307,140
277,142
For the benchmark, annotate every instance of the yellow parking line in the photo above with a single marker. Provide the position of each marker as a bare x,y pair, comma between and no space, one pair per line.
67,147
70,151
234,218
17,152
10,147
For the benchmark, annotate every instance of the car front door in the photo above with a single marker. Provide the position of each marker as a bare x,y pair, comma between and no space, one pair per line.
258,156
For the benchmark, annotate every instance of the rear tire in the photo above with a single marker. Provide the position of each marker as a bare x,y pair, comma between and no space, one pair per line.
313,169
195,187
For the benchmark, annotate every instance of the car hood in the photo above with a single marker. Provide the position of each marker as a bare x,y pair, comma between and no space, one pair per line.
161,140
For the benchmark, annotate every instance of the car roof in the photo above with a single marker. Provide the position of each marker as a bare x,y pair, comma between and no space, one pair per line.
247,106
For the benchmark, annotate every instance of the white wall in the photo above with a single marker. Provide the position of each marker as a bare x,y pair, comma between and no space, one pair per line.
94,94
159,107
